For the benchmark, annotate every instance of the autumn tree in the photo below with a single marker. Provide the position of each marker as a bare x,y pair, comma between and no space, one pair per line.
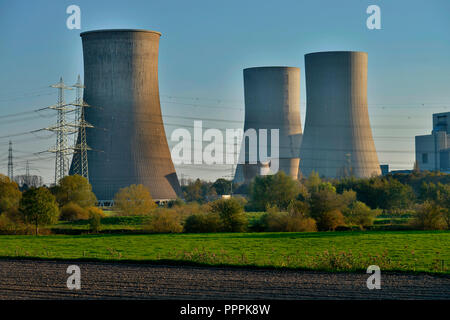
9,194
134,200
231,214
75,189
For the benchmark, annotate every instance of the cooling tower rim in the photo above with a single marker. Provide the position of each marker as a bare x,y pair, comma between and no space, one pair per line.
272,67
334,52
119,30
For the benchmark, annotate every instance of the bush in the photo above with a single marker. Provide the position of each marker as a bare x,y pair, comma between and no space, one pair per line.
287,222
429,216
330,220
231,213
189,209
95,220
11,222
6,225
358,213
96,211
300,224
202,223
72,212
163,222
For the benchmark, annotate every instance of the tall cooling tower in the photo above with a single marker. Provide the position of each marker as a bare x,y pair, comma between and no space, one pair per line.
272,101
338,139
128,140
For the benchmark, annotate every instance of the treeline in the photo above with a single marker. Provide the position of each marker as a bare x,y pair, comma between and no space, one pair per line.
269,203
27,211
336,203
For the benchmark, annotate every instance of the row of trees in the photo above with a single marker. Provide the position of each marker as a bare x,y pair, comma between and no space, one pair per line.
289,205
338,202
71,199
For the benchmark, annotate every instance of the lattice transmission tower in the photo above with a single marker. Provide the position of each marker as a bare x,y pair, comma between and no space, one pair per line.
62,129
80,159
10,162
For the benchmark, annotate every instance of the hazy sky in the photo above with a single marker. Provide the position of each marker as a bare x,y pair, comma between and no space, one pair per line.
203,49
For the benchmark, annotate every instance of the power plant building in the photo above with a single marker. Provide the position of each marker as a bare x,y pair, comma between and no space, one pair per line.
272,101
433,150
337,139
128,140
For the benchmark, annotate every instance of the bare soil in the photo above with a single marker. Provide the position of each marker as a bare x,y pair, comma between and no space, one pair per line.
27,279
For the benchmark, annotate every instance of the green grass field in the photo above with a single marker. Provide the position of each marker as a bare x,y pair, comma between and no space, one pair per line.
426,251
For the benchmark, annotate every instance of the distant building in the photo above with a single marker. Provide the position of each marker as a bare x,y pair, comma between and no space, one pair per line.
433,150
384,169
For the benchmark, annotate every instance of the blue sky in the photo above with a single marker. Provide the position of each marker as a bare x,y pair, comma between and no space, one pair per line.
203,49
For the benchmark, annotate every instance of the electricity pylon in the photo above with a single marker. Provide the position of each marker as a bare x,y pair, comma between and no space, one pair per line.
62,130
10,163
80,160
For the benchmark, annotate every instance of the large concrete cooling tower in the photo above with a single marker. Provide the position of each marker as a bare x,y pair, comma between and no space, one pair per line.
128,140
272,101
338,139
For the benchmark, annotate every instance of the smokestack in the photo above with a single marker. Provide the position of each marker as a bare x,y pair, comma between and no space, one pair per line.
272,101
128,140
338,139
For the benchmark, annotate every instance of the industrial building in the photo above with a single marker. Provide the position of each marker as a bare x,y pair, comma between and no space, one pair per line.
272,101
128,139
433,150
337,139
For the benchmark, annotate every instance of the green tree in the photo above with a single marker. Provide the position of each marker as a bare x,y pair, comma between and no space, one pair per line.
429,216
39,207
231,213
358,213
379,192
223,186
10,194
326,208
198,191
203,222
134,200
75,189
278,189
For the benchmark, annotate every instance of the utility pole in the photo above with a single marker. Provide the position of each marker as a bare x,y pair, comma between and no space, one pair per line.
10,163
27,174
80,159
62,130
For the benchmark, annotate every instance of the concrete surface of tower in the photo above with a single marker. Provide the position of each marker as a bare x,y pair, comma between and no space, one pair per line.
272,101
128,140
337,138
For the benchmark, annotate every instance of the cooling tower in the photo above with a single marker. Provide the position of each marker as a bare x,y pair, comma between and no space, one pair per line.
272,101
128,140
337,139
